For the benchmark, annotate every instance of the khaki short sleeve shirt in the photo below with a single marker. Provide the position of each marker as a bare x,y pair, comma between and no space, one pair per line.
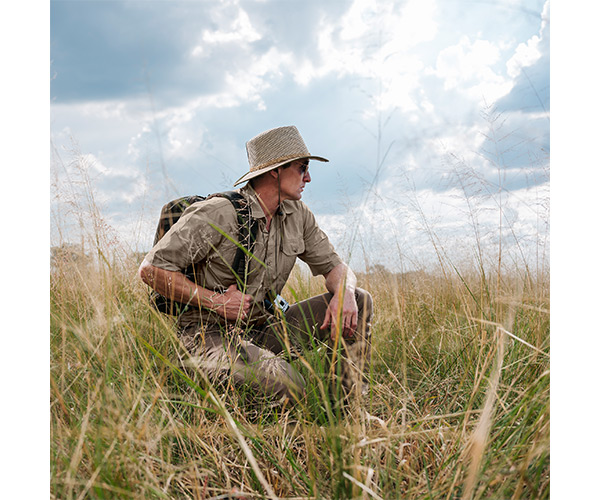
198,239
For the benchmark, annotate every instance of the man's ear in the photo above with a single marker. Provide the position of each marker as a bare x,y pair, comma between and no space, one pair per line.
275,172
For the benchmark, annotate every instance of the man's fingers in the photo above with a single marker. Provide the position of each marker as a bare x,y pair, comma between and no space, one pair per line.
349,324
354,321
236,302
336,326
327,319
246,305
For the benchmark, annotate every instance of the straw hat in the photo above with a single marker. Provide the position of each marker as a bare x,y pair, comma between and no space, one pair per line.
274,148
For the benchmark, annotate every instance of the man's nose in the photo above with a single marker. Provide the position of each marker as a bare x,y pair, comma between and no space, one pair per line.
307,176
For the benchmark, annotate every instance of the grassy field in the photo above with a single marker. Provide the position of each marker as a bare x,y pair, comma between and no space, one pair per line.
458,406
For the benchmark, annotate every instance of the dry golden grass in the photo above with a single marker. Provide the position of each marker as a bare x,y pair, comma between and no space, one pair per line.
458,404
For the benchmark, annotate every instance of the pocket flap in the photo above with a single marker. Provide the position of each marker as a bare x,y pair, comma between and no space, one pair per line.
293,246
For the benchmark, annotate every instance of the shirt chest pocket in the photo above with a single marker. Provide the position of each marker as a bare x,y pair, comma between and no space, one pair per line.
290,249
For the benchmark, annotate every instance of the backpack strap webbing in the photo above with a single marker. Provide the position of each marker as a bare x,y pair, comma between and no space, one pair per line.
247,231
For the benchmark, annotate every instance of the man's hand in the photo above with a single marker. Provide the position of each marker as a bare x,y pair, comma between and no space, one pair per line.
342,312
348,319
232,304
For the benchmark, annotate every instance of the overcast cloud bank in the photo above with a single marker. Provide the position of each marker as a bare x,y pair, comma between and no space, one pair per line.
435,116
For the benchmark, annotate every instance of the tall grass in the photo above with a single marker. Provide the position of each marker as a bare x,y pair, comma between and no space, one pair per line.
458,403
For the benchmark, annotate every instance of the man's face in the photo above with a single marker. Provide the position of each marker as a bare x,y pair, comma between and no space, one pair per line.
293,179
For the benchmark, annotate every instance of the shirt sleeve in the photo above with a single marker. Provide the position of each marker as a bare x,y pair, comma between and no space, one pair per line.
319,253
190,240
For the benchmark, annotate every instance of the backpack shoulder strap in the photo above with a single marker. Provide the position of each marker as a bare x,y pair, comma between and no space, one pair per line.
248,229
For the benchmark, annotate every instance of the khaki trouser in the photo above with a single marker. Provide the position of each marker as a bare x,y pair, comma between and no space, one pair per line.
260,357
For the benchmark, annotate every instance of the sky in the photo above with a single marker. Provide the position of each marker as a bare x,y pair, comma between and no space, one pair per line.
435,116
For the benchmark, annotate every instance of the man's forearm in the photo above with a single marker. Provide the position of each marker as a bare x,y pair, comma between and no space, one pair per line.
176,286
340,278
231,304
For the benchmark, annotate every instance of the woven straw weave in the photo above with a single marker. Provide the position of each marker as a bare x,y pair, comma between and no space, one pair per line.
273,148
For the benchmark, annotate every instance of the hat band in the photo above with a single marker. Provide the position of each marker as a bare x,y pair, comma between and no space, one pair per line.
273,162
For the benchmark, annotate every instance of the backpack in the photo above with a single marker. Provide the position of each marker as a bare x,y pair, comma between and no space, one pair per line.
247,230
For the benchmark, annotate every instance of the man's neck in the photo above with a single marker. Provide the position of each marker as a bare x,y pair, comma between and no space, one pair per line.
269,200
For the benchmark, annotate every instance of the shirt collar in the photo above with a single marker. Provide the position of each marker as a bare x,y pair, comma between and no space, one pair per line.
287,206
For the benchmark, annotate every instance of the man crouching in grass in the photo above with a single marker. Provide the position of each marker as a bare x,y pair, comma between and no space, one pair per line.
245,332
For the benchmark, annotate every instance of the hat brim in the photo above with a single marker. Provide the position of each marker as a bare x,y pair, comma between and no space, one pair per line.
256,173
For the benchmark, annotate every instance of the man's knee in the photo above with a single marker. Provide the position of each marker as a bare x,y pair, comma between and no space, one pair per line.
364,301
268,373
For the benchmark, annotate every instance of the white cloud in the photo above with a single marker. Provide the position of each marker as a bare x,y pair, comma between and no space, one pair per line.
234,28
408,224
525,55
545,16
106,110
240,31
467,67
133,147
247,84
374,40
399,83
183,135
416,24
183,141
85,181
395,26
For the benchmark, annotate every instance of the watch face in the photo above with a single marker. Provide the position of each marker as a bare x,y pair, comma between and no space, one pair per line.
281,303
